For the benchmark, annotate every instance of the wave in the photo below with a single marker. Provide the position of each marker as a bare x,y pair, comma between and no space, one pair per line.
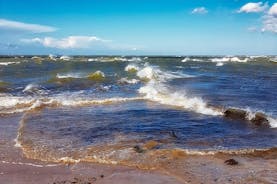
219,64
98,75
128,81
159,93
13,104
131,68
29,164
87,102
65,58
229,59
113,59
9,63
69,75
34,89
273,59
258,118
186,59
156,90
142,156
155,74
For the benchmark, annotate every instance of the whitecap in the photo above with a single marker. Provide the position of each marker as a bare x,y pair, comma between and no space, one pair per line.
65,58
219,64
9,63
156,90
185,59
128,81
69,75
131,68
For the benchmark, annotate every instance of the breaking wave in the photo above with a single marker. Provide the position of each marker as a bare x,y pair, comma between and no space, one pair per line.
131,68
69,75
98,75
9,63
156,90
128,81
229,59
13,104
219,60
113,59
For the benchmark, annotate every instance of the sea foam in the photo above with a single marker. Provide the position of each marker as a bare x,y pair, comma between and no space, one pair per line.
156,90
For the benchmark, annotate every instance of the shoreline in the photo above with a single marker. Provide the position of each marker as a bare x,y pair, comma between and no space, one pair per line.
16,168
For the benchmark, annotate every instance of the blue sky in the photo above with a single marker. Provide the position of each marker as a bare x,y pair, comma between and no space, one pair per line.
138,27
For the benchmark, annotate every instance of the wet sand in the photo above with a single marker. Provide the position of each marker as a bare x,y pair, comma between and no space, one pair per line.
16,168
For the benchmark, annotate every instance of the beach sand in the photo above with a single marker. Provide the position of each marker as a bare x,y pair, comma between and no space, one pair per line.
17,169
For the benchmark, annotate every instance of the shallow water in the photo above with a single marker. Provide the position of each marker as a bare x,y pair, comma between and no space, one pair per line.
98,109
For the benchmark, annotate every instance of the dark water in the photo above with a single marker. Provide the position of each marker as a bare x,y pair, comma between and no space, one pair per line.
72,107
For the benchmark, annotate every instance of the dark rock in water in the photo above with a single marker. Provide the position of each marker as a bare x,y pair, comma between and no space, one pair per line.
260,120
138,149
235,114
231,162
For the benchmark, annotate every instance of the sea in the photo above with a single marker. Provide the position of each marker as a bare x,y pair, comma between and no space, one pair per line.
138,110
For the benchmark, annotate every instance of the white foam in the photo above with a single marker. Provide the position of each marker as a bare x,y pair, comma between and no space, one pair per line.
272,122
28,164
69,75
131,67
154,73
9,101
185,59
229,59
29,87
224,59
93,59
156,90
251,114
219,64
274,59
159,93
52,57
97,73
128,81
64,101
9,63
146,73
133,59
65,58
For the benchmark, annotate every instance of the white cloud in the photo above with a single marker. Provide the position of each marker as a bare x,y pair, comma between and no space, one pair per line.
71,42
269,23
273,10
199,10
253,7
270,20
21,26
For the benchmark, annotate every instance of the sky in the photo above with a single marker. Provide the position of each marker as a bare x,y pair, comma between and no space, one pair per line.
138,27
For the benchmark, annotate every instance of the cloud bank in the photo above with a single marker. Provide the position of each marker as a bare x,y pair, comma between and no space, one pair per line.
70,42
21,26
